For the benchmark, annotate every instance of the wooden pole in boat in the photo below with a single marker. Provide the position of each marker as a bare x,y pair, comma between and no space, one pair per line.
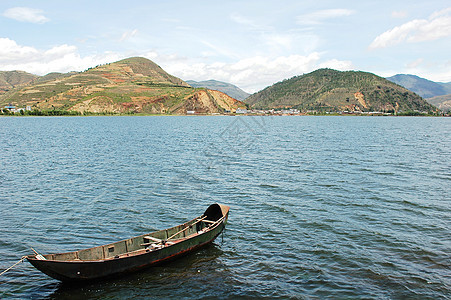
175,234
38,256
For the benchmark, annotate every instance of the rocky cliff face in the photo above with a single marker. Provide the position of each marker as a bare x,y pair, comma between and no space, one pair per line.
211,101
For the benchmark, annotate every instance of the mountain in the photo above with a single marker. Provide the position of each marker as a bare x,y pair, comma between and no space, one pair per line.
228,88
423,87
442,102
436,93
138,70
131,85
11,79
331,90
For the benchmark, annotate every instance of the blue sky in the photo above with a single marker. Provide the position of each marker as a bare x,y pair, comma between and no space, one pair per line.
251,44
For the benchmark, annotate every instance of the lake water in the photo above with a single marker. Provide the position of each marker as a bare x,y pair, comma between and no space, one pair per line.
321,207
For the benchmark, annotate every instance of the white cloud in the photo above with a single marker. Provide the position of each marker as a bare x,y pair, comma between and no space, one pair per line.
279,40
320,16
237,18
62,58
437,26
251,74
414,64
217,50
440,13
11,52
399,14
435,71
441,74
341,65
439,71
128,34
26,14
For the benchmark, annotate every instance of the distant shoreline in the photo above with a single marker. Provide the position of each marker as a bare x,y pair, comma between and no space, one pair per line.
225,115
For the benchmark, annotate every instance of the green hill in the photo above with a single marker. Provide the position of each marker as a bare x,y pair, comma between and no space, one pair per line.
331,90
135,85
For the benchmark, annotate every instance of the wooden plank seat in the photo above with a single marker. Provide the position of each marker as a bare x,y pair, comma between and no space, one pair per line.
152,239
157,244
208,221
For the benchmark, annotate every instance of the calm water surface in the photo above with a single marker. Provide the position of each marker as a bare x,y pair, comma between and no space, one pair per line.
321,207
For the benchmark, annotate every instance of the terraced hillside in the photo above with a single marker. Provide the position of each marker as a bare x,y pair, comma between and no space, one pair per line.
135,85
12,79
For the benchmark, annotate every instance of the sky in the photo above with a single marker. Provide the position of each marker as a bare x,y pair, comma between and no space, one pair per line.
252,44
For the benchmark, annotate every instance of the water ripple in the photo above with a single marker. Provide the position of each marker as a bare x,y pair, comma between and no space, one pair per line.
321,207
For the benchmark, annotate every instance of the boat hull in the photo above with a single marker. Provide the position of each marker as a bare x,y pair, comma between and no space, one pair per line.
89,270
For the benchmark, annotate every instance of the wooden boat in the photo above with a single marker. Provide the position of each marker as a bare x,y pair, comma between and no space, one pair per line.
134,253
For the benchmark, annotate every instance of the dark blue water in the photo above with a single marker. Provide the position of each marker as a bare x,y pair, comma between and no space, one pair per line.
321,207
